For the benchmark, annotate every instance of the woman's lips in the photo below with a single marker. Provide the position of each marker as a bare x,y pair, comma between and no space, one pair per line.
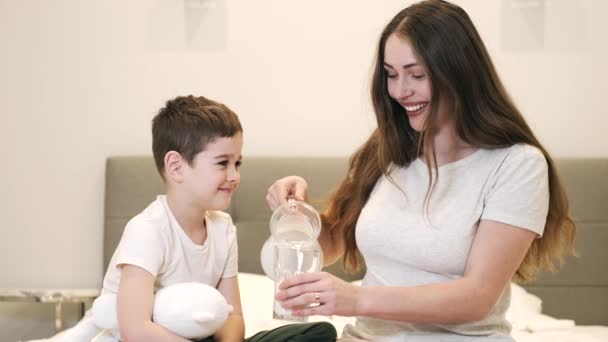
414,109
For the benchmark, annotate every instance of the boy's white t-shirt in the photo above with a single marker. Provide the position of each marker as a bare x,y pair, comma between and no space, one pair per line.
402,247
154,241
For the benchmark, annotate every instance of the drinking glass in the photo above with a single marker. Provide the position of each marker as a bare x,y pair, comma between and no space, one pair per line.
291,258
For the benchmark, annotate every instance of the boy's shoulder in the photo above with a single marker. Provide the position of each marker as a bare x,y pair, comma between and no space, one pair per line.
218,216
220,220
153,217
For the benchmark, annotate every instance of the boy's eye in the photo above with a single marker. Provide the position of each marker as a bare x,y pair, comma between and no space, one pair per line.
225,163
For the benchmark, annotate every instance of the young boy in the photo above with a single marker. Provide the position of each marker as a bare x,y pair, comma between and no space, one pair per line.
184,236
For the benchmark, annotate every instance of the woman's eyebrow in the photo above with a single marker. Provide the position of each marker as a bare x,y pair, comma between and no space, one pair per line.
404,67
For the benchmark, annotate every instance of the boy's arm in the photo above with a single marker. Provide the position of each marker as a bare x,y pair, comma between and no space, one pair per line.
135,304
234,327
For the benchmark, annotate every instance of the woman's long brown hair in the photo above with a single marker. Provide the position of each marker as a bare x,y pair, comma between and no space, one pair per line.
462,73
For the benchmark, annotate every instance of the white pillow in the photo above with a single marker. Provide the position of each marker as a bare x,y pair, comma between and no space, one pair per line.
523,301
525,313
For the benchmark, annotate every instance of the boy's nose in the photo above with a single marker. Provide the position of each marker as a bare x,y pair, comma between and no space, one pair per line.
233,175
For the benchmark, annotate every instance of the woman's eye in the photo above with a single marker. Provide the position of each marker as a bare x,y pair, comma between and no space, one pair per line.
418,77
389,74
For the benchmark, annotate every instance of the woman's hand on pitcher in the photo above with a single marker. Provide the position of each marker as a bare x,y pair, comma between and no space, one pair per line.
280,190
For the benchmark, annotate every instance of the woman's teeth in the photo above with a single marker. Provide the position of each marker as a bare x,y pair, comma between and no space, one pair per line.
414,108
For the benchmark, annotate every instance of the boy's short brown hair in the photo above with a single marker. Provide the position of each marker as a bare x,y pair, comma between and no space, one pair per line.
187,124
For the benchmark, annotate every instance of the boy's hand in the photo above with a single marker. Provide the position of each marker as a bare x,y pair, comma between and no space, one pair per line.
283,188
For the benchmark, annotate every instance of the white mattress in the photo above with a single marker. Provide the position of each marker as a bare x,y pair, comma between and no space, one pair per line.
529,324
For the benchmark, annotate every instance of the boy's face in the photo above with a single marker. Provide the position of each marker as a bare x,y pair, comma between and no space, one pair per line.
215,173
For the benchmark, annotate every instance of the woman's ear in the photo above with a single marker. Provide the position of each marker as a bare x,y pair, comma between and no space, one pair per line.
174,166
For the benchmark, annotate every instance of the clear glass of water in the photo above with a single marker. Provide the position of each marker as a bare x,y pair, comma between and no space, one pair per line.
291,258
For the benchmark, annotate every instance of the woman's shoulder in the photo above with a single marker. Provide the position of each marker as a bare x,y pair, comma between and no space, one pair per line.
520,153
519,159
526,150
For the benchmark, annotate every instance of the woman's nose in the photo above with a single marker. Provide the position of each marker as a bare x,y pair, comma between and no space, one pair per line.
404,91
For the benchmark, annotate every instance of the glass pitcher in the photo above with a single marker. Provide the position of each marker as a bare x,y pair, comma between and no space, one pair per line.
293,223
292,247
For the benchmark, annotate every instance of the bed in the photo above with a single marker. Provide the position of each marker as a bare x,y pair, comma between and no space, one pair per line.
571,305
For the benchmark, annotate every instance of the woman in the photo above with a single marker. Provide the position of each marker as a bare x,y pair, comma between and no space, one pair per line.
450,198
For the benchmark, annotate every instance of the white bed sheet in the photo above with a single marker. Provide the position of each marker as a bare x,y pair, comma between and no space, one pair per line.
529,324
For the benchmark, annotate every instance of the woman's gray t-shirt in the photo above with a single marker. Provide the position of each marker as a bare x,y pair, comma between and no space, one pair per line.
404,247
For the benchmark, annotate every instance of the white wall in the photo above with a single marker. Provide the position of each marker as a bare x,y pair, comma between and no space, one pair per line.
80,80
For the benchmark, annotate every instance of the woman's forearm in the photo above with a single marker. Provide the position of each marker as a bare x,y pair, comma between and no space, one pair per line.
451,302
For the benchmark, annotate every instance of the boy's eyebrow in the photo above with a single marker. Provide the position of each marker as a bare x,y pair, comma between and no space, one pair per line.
222,156
404,67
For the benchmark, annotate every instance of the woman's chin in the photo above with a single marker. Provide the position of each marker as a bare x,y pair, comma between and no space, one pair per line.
417,123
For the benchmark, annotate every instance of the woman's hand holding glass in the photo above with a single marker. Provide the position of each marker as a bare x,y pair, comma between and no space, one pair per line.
333,295
316,293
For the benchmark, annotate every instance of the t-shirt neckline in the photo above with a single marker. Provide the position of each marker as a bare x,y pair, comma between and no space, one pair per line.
181,231
456,163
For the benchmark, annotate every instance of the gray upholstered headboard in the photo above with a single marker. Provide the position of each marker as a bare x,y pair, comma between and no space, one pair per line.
579,291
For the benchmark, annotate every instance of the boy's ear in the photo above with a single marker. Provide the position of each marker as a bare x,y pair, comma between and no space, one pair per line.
174,166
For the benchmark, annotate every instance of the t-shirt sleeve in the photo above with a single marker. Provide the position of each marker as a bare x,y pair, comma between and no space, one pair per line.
519,195
232,262
141,245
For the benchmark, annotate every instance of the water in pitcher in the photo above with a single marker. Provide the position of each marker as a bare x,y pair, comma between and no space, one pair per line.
293,228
